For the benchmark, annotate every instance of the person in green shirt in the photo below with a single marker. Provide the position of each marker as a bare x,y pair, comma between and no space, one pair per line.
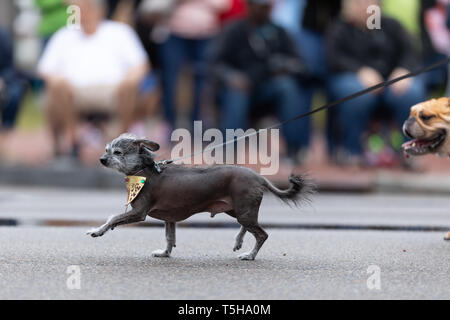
54,16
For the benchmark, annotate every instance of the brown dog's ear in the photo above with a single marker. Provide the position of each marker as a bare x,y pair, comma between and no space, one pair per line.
153,146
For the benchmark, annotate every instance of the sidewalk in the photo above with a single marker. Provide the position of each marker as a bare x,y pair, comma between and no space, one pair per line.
327,178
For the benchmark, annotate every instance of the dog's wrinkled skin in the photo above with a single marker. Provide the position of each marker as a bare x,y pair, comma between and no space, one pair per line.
429,127
179,192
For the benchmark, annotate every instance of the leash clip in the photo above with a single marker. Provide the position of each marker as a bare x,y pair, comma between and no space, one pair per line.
158,164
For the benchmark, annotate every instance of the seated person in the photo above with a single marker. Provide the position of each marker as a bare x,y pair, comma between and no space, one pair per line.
437,23
256,62
435,17
95,68
12,85
361,58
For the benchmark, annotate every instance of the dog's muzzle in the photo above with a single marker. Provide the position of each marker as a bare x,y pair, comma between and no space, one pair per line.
406,127
103,161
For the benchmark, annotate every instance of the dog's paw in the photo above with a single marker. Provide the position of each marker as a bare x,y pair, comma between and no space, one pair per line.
94,233
247,256
447,237
161,254
237,247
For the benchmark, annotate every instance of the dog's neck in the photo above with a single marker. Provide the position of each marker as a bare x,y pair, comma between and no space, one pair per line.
155,168
137,173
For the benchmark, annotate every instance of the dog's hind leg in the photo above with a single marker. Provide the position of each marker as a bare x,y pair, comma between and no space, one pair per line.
239,239
170,238
249,222
260,236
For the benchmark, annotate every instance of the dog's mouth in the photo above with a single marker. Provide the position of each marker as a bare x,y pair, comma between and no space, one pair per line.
418,147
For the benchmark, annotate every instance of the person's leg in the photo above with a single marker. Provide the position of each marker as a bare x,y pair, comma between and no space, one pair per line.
291,100
448,82
127,93
400,105
172,53
352,117
311,46
234,109
61,112
13,97
199,51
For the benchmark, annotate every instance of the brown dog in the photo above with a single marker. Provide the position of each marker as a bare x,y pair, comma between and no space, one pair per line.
429,127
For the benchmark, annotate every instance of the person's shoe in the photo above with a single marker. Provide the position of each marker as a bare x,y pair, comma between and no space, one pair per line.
298,158
346,159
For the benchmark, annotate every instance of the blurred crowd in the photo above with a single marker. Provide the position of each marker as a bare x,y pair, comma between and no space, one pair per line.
237,62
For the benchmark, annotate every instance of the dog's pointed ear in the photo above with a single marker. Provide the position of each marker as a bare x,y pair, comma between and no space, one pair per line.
153,146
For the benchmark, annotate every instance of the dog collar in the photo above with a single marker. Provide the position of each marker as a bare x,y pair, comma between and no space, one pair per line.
134,186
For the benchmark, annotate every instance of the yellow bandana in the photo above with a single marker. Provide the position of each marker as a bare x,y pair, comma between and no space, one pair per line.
134,186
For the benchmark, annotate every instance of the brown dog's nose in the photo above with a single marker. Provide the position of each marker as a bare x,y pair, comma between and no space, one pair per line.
406,132
406,125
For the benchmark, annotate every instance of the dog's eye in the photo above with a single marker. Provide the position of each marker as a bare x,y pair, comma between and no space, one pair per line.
117,153
426,117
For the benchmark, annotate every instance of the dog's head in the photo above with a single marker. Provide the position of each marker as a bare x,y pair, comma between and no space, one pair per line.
429,127
128,154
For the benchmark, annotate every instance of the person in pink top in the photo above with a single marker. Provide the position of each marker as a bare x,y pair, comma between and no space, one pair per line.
193,23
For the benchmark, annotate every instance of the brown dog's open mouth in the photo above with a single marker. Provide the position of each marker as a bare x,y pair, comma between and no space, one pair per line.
419,147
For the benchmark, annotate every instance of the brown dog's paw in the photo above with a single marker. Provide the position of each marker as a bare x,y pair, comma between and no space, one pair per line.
447,237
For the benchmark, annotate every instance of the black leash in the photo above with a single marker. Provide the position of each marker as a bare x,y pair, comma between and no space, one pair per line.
324,107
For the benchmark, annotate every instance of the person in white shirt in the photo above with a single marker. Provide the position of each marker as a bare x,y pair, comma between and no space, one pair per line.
97,67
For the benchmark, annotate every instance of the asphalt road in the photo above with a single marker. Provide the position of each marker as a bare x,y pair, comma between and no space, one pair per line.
294,264
300,261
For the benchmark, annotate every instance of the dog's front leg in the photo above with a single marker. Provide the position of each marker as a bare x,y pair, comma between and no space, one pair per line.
125,218
170,238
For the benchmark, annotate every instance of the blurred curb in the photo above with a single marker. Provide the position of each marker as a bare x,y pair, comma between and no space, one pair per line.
100,178
389,182
77,177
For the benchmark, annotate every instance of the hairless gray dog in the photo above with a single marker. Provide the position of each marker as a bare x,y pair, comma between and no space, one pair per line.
177,192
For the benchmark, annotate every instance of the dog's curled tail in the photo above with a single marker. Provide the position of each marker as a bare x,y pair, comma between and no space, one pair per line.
301,189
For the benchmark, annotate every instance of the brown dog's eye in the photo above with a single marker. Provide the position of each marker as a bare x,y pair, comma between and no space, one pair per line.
425,117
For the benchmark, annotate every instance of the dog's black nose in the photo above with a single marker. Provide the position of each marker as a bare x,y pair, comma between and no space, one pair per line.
406,125
103,161
406,132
